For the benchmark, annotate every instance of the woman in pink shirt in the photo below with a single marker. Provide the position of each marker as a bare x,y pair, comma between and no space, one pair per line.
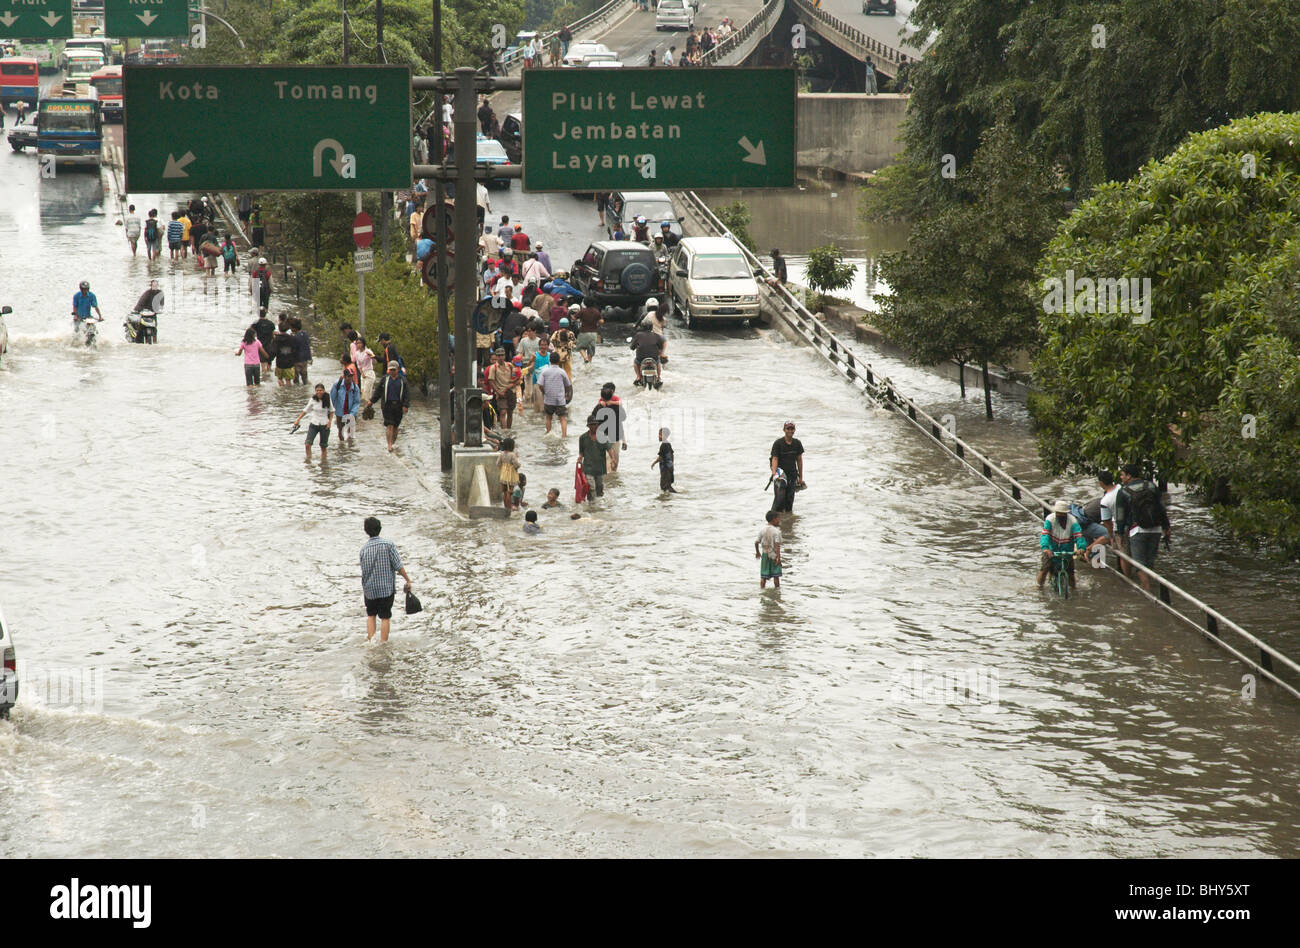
364,360
254,355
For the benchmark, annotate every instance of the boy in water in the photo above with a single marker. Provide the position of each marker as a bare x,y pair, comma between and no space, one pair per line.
530,522
552,499
767,549
665,463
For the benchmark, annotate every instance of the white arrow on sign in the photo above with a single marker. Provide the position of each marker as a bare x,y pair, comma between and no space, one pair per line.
8,19
318,152
176,169
753,153
52,18
146,17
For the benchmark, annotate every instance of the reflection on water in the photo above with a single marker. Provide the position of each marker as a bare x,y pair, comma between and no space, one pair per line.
71,197
814,215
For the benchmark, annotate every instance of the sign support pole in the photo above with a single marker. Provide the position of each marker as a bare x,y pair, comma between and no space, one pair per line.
466,223
361,287
439,200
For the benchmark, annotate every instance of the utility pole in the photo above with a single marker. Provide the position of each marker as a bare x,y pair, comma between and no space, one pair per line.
343,5
466,222
385,197
440,196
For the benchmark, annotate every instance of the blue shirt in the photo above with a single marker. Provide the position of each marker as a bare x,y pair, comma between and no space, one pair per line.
423,247
379,566
82,303
174,231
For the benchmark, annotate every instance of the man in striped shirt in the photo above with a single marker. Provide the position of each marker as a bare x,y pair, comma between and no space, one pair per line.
175,234
380,565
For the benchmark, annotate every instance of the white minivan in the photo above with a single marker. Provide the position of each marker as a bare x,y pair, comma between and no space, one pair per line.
8,670
674,15
710,280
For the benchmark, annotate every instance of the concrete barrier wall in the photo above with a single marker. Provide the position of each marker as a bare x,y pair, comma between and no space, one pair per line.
851,133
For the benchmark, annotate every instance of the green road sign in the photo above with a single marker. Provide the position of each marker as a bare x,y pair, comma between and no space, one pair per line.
658,129
35,19
267,128
146,18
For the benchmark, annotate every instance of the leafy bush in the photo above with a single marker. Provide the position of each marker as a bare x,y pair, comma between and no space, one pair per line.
396,303
736,218
825,271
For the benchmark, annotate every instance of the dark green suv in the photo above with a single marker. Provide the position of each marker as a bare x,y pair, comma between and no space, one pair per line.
617,274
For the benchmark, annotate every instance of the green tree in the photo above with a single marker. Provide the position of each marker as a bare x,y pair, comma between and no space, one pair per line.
396,303
736,217
826,272
961,290
1212,226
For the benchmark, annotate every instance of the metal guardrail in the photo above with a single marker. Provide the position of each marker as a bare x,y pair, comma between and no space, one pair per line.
865,45
734,43
597,17
1211,623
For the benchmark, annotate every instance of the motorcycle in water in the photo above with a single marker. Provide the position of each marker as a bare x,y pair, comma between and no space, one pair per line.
650,374
142,327
87,329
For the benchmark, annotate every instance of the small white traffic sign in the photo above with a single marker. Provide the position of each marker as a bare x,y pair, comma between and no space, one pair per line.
364,261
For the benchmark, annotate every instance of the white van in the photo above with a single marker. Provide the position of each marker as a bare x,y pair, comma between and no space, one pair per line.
674,15
710,280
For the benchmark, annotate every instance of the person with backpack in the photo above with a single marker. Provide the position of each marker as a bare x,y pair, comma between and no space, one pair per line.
229,255
259,284
152,236
1140,518
1096,519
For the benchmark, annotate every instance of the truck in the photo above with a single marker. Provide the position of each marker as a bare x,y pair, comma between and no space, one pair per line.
70,130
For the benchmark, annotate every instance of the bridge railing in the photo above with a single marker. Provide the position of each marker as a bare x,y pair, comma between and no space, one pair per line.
594,19
868,45
1262,658
760,23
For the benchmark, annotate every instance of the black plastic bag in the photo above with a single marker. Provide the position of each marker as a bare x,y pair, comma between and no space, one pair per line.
412,604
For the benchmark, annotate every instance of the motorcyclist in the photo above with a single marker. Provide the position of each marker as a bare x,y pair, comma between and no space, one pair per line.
661,251
641,230
670,239
82,303
151,299
647,344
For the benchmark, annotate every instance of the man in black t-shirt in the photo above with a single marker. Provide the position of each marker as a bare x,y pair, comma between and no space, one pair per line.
787,455
648,345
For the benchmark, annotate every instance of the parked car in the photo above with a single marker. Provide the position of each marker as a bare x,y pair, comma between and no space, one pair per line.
711,281
616,275
512,136
655,206
492,152
8,669
880,6
674,15
579,53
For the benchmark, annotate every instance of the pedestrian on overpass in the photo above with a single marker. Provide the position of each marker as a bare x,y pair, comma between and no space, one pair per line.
871,77
566,37
668,61
778,267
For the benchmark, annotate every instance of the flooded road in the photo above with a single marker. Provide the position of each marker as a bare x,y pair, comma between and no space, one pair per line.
184,595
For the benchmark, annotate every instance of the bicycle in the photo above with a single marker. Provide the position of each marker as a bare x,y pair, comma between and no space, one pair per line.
1061,572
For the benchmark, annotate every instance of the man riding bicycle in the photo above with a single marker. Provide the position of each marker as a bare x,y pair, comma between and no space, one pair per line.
1060,533
82,303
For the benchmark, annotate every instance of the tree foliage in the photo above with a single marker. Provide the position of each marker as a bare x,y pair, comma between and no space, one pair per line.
1212,226
396,303
826,271
961,289
736,217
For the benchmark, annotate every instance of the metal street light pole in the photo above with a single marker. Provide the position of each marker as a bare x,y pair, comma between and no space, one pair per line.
444,344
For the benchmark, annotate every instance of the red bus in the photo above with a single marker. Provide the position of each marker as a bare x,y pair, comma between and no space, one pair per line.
107,83
18,81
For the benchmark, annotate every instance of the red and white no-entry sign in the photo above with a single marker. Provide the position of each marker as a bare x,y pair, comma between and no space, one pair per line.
363,230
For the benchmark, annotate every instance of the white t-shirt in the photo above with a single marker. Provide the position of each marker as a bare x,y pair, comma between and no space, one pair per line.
132,226
1108,504
768,539
318,414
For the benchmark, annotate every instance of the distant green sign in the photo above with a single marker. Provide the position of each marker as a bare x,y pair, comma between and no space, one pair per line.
267,128
146,18
658,129
35,19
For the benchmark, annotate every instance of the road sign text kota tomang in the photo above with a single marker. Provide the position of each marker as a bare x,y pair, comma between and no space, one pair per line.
297,92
